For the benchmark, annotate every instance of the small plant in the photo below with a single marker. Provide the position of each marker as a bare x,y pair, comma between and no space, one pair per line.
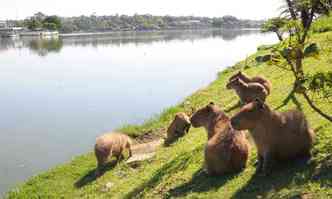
300,15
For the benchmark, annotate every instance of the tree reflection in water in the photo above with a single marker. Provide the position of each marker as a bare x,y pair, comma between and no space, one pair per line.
45,46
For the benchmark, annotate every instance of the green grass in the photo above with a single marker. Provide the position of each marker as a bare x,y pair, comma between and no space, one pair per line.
176,170
324,24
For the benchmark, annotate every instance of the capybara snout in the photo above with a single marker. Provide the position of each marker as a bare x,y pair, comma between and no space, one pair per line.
178,128
200,117
248,115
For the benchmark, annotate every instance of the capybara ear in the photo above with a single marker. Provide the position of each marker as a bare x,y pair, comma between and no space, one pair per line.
192,111
210,106
240,72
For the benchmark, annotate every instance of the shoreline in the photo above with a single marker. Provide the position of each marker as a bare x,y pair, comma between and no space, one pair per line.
87,34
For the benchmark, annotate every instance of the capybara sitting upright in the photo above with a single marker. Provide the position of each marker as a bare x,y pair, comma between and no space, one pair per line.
247,91
227,149
278,136
178,128
258,79
109,145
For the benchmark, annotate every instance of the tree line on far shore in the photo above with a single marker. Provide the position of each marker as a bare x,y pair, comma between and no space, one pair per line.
94,23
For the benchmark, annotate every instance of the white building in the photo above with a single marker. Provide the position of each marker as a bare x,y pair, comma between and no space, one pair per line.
10,32
3,24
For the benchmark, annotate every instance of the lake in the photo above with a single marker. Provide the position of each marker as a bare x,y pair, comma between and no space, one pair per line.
57,95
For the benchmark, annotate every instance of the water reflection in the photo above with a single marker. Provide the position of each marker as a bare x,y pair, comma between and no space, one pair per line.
43,47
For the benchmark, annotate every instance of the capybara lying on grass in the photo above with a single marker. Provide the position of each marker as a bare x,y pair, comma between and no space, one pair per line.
227,149
109,145
278,136
178,128
258,79
247,91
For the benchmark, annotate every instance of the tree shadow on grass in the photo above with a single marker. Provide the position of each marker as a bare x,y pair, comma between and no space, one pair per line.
200,182
90,176
292,172
181,162
290,97
283,175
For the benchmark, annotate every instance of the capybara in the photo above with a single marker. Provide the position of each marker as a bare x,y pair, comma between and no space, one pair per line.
247,91
109,145
278,136
258,79
227,149
178,128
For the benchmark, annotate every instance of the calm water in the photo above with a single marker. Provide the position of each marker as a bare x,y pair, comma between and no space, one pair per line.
58,95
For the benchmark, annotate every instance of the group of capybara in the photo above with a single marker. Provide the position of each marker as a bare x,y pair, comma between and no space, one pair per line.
278,136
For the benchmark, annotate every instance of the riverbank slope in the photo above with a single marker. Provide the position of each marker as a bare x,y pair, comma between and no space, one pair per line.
176,170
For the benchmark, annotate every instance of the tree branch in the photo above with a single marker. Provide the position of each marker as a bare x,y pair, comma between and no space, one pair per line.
313,106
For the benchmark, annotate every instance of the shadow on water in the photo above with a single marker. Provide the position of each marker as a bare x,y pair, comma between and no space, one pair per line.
90,176
290,97
200,182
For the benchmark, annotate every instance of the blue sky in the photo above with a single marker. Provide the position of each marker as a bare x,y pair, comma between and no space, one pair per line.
252,9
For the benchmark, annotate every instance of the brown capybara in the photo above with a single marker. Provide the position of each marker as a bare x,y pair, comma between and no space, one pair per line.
258,79
278,136
247,91
227,149
109,145
178,128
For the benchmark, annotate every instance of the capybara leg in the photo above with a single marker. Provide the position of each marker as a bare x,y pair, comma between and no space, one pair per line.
267,164
208,168
102,156
304,157
209,171
259,164
98,171
187,128
100,165
130,152
119,157
128,146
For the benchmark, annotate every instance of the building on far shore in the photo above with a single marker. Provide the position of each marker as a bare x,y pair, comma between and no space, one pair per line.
9,31
3,24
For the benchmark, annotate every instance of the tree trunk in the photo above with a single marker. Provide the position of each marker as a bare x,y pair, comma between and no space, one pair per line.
291,9
279,36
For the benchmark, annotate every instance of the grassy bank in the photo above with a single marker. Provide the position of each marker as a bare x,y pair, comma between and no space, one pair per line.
176,170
